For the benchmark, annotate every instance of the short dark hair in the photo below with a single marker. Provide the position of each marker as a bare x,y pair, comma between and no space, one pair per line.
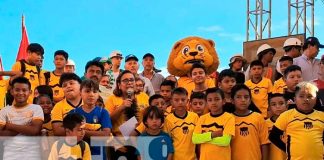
274,95
226,73
197,95
286,58
155,96
22,80
168,83
197,65
71,120
291,68
152,111
69,76
35,47
88,83
239,87
215,90
256,63
44,89
179,91
94,63
62,53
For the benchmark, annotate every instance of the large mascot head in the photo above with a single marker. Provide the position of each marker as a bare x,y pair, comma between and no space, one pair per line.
191,50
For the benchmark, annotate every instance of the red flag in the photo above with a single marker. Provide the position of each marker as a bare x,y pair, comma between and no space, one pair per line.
22,53
1,67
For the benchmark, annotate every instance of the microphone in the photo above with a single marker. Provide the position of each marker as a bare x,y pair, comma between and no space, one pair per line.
130,92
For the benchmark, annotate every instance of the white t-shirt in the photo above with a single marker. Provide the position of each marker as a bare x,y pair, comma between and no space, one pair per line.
21,146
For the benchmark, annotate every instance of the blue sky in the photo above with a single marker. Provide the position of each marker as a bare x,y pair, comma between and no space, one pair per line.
86,29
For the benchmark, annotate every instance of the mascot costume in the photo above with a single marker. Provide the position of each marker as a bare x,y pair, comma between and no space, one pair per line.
192,50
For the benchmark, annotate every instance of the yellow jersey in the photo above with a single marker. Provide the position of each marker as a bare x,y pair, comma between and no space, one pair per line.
279,86
67,151
61,109
189,85
210,123
304,133
275,153
113,102
180,129
250,133
32,74
48,128
3,91
54,82
260,94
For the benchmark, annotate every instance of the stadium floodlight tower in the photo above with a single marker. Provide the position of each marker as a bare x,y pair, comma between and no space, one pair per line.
258,19
301,8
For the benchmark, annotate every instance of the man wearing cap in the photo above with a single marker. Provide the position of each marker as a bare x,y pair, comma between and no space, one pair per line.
236,65
265,54
148,72
131,64
307,61
69,66
292,48
116,57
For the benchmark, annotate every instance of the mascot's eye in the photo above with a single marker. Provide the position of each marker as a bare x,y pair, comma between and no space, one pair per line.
185,50
200,48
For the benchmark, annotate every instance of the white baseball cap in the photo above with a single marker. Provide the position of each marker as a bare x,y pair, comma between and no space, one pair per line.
115,53
70,62
292,42
264,47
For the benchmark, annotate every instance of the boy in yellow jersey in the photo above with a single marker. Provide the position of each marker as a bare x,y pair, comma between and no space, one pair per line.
259,86
52,79
180,125
72,146
28,67
20,122
251,132
292,76
277,105
214,130
279,85
70,84
46,102
166,88
303,126
197,103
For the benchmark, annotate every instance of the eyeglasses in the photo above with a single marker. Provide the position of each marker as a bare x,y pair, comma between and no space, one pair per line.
130,80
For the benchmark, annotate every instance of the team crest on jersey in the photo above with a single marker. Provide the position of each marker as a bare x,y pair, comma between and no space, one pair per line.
185,130
32,77
56,92
308,125
244,131
256,91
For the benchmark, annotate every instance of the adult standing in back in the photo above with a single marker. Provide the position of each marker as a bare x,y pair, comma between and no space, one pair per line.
308,61
148,72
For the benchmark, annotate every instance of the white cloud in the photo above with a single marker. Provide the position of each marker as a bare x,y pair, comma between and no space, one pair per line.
214,28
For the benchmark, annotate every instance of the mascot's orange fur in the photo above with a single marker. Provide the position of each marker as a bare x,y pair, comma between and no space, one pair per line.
191,50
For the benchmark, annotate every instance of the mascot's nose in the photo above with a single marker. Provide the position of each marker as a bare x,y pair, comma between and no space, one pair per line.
193,53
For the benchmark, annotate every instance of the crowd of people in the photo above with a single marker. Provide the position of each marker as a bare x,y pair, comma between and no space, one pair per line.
262,112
